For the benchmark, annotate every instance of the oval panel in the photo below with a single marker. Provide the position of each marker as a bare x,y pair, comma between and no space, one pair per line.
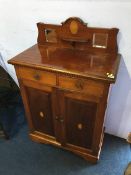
74,27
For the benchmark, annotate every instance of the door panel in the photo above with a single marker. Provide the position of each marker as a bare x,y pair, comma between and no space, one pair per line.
79,121
41,111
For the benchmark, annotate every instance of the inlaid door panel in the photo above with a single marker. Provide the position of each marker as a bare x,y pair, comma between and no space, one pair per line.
41,111
79,121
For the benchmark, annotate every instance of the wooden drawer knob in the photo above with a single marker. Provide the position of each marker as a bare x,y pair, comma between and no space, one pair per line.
79,84
36,77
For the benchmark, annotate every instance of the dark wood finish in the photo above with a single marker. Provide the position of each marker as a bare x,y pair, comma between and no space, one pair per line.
41,114
80,120
64,82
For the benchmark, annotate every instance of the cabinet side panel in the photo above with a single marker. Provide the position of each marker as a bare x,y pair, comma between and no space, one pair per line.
99,123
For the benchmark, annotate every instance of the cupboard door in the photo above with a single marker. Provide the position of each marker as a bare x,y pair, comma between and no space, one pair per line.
41,111
79,118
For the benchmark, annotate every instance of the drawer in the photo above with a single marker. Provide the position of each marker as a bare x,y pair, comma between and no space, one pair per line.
90,87
37,75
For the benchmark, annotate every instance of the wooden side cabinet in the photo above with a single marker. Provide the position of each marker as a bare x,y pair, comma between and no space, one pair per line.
64,82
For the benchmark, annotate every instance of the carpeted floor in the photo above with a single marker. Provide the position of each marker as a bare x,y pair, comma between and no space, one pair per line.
21,156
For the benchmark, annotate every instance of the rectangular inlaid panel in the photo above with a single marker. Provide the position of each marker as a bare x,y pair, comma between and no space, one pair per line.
41,111
80,120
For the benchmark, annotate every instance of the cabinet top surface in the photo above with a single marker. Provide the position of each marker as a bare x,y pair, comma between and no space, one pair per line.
73,48
71,61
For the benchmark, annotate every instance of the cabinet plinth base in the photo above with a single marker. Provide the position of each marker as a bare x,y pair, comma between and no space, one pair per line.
45,140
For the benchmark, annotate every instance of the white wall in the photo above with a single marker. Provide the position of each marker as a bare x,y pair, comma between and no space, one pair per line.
18,31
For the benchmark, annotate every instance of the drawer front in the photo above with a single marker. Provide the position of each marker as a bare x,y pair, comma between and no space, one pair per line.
86,86
37,75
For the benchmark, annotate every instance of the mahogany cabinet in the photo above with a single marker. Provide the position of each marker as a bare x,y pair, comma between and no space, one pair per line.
64,81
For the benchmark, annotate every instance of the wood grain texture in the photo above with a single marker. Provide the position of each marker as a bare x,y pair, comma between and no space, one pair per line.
88,86
80,119
68,62
37,75
41,114
65,83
